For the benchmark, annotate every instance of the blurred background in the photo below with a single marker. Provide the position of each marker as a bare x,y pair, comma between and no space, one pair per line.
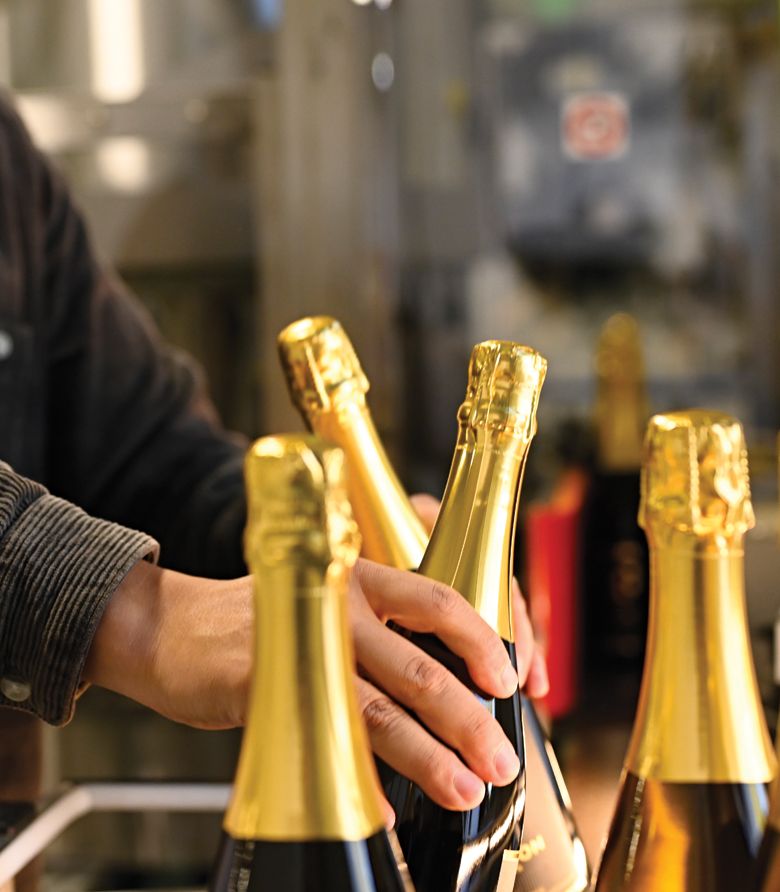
433,174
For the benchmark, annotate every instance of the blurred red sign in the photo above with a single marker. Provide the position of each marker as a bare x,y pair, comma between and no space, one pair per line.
595,126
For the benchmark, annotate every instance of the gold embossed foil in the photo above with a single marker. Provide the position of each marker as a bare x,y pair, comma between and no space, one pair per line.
305,771
327,385
496,424
699,718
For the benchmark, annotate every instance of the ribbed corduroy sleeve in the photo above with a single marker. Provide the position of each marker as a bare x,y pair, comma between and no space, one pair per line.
58,568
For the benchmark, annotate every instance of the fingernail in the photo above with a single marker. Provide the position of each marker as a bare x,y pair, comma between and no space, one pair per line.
469,786
506,762
509,680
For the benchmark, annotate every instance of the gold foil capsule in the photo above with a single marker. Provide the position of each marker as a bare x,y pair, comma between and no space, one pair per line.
695,477
502,393
321,365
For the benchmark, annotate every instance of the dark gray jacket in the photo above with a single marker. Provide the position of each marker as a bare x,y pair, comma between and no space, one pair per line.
102,415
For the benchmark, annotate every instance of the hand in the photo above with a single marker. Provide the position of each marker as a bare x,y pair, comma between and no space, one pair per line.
182,645
531,665
395,673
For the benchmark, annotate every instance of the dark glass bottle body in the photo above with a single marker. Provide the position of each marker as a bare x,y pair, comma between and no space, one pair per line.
684,836
768,868
615,580
451,850
367,865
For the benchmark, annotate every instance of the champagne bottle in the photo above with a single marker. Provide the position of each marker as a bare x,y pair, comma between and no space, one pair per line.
305,814
328,386
692,802
615,567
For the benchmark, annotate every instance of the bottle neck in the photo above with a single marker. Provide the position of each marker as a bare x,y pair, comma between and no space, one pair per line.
472,544
305,770
621,418
699,718
392,532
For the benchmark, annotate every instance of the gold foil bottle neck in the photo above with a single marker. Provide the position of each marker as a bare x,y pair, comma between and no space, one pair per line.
321,365
695,478
699,718
328,387
305,771
298,508
621,401
502,393
472,544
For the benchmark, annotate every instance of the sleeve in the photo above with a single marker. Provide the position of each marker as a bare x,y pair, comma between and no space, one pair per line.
58,568
132,434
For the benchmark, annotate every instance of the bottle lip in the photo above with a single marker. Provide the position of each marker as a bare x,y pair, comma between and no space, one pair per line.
505,379
306,328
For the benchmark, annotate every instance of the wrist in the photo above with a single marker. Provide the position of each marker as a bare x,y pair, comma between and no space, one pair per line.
121,652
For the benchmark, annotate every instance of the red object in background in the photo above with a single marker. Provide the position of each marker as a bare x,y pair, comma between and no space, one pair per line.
552,551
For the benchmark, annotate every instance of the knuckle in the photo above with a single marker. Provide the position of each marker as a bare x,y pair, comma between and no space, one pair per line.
479,725
444,599
438,772
489,642
425,677
366,572
380,714
434,767
489,647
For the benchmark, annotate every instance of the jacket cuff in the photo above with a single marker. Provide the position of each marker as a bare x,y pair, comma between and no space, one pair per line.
58,569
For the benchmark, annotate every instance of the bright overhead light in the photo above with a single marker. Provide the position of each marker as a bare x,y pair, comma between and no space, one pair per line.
382,72
124,163
116,49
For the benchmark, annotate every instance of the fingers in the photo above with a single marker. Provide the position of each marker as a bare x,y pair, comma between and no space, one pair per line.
407,747
524,633
531,665
422,605
538,683
387,810
438,699
427,508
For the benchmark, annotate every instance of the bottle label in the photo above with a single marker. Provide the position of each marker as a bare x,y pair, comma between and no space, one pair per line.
509,864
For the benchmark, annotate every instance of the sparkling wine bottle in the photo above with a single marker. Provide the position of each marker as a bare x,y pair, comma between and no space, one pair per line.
329,387
692,803
614,549
305,813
